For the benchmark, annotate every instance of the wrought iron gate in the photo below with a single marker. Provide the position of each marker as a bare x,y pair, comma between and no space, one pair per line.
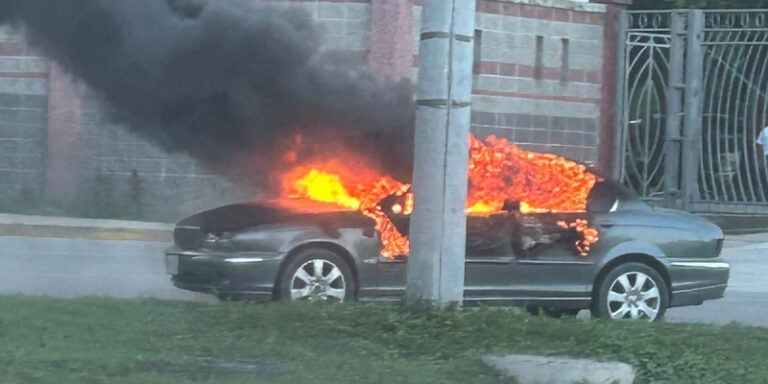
693,88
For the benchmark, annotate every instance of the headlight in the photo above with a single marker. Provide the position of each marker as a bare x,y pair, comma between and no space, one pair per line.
214,240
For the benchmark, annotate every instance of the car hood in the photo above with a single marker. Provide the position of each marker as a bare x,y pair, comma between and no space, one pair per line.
239,216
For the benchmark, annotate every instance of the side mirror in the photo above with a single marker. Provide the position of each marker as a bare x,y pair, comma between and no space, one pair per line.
397,204
398,209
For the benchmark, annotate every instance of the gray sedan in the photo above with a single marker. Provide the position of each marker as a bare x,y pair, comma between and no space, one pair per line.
646,259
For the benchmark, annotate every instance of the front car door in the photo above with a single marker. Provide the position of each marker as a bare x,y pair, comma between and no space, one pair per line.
510,256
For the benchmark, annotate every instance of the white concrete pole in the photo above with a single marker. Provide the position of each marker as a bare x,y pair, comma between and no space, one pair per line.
438,223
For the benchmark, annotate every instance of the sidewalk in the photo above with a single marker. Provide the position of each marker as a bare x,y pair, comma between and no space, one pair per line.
100,229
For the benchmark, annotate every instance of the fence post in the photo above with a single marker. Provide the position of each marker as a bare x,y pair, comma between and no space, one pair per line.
620,114
692,132
673,138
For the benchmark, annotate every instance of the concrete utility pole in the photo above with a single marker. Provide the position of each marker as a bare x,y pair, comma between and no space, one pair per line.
438,223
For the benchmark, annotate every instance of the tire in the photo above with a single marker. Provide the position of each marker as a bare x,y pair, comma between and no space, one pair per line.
317,275
631,291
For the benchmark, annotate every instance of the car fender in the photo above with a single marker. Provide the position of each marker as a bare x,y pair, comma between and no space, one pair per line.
343,244
302,241
634,247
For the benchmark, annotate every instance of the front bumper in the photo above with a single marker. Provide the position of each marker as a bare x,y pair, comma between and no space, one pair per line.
697,280
250,275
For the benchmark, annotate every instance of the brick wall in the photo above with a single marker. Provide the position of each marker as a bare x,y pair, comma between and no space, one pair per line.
126,173
23,108
345,24
116,165
538,77
116,171
538,74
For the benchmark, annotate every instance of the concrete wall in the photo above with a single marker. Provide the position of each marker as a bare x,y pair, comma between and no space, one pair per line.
538,77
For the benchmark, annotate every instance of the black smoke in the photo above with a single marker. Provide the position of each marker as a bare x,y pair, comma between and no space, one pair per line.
224,81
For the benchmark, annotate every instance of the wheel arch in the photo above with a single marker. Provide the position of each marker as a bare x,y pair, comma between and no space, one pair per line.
326,245
633,258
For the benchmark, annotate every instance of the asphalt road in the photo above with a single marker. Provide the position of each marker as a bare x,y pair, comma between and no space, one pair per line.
68,268
746,299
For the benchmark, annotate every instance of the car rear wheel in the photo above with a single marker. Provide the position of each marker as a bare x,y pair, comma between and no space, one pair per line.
317,274
631,291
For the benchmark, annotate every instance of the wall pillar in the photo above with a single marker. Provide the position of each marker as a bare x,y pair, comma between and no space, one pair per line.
391,54
609,91
64,108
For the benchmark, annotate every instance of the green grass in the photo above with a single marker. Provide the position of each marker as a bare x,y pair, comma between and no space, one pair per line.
149,341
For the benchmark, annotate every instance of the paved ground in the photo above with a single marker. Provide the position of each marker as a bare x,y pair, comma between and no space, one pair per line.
62,267
65,257
746,299
69,257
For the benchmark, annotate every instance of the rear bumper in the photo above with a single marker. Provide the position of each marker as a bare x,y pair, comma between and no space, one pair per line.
697,296
250,275
697,280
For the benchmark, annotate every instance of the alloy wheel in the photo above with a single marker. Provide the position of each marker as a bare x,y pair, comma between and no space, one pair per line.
634,295
318,279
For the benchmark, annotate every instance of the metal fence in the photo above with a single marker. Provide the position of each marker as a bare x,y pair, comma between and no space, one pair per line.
693,86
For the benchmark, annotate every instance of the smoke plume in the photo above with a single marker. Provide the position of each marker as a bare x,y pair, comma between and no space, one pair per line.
228,82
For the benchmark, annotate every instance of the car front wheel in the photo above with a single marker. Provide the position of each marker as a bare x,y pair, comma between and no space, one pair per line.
317,274
632,291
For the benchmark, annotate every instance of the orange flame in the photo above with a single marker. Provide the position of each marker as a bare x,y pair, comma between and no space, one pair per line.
498,171
589,234
323,187
364,196
540,182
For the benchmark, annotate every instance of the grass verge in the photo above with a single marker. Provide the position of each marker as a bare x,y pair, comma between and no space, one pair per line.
96,340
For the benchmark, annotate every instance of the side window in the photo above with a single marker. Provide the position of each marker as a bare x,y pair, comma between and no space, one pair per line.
491,236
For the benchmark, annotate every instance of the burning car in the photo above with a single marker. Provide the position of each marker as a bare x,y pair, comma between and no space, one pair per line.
582,242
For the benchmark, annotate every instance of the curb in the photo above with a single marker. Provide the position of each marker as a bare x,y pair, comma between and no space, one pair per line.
88,229
86,233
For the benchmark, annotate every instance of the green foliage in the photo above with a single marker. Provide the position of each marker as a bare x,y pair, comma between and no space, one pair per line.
149,341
